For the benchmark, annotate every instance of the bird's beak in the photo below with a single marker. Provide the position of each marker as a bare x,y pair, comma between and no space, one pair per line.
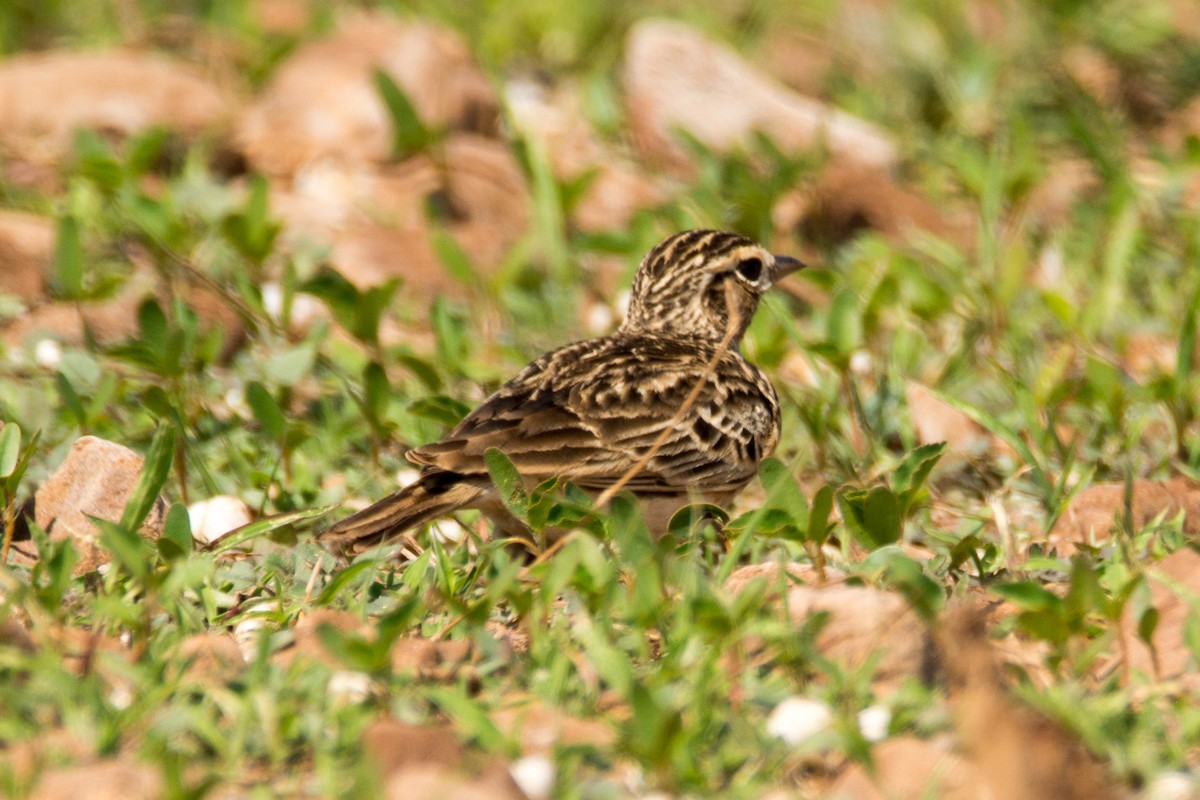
786,265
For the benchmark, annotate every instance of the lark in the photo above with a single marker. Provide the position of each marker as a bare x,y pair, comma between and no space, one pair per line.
666,407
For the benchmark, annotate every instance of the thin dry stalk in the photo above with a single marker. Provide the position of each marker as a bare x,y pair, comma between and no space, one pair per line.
10,526
734,324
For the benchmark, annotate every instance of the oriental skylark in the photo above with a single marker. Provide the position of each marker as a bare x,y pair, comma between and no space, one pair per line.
666,406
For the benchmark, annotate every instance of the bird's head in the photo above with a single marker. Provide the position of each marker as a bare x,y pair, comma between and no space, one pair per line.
685,285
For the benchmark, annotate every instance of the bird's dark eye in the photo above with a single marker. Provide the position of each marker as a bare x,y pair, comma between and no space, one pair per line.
750,269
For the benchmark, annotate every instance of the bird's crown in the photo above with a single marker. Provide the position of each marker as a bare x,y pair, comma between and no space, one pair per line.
680,289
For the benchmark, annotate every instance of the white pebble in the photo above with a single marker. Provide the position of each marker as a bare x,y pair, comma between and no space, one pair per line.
622,303
349,686
448,532
860,362
216,516
873,722
798,718
407,475
306,309
599,319
246,633
234,404
1172,786
120,695
48,354
1051,266
272,298
535,775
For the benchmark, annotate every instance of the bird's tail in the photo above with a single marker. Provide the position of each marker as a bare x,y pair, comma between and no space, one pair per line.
432,495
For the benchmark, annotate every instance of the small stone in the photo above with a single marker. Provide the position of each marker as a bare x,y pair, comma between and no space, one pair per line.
535,775
323,101
874,721
96,479
349,686
797,719
47,353
211,657
247,634
449,532
104,780
121,92
1172,786
216,516
674,77
26,248
305,311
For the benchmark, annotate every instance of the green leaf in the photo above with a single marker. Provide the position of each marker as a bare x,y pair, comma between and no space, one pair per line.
18,471
1046,624
414,574
1191,635
151,479
409,134
10,448
1147,624
963,549
344,578
439,408
611,663
881,516
508,482
844,326
1028,595
177,529
422,370
923,593
653,727
130,550
71,399
686,518
263,526
338,293
266,410
68,259
371,307
783,493
1187,338
51,575
910,475
145,150
454,259
818,518
1006,433
470,717
1085,593
287,366
251,229
450,333
376,393
152,326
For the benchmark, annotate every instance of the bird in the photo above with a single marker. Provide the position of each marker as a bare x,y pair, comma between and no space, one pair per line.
665,407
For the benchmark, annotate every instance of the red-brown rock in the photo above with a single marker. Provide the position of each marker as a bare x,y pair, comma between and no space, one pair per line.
26,248
96,479
675,77
114,92
323,102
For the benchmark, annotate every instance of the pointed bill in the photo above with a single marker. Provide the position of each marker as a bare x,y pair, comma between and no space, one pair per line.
785,265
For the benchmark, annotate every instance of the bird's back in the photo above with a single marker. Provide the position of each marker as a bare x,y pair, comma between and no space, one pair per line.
588,411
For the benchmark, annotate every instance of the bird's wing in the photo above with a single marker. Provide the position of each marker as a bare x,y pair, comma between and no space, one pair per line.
590,410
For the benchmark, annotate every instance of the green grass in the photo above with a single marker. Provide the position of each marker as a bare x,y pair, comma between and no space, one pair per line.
635,633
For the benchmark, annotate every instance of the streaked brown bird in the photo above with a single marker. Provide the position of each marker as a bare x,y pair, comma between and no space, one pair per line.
666,406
